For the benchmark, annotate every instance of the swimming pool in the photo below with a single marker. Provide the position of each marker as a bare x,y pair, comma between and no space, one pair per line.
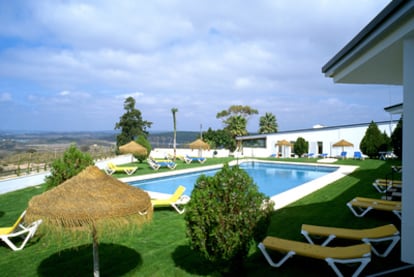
271,178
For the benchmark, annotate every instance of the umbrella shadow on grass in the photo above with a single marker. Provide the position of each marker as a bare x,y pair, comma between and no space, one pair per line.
114,260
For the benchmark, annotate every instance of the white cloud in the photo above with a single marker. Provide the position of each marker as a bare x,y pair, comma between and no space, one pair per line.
5,97
64,93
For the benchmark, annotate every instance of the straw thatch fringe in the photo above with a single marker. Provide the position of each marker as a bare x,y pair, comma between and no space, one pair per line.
110,230
91,199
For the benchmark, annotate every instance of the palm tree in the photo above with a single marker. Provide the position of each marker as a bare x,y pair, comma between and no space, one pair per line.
174,110
267,124
237,125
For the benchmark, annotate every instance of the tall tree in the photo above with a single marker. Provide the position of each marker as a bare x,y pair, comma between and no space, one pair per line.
174,111
235,119
396,139
131,123
219,139
268,124
372,141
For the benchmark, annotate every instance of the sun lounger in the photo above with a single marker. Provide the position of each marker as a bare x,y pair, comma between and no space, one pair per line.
360,253
397,169
189,159
372,236
158,164
7,234
383,185
179,157
112,168
358,155
360,206
175,201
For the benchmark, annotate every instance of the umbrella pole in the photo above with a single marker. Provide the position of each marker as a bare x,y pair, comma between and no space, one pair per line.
95,252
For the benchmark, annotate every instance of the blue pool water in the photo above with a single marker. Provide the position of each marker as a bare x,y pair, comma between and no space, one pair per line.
271,178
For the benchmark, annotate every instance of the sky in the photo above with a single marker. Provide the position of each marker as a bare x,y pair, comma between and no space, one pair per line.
70,65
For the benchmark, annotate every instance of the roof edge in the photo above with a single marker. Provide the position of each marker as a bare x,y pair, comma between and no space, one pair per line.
385,14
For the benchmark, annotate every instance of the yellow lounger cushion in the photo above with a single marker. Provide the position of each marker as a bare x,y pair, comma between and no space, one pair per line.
8,230
355,254
317,251
382,234
360,206
354,234
378,204
174,200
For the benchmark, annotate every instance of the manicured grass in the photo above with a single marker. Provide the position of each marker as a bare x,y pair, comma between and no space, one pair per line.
162,249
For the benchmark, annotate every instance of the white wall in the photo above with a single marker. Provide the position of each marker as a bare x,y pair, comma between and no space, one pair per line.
161,153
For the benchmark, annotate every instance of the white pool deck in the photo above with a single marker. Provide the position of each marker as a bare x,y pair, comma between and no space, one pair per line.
281,200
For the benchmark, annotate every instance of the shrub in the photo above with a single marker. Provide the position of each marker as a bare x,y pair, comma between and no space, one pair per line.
72,162
225,214
373,141
301,146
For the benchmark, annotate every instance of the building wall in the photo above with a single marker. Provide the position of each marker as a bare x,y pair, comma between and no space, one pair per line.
326,136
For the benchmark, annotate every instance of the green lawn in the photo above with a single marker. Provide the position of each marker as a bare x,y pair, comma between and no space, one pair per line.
161,248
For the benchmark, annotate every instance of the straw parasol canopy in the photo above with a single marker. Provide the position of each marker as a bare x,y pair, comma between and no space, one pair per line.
91,202
199,144
283,143
133,148
342,143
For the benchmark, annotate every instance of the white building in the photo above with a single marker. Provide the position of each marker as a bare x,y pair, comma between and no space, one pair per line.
321,140
383,53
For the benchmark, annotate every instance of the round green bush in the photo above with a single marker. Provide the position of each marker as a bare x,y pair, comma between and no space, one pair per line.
225,215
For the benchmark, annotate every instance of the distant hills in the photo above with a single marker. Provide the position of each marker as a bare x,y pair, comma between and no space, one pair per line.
165,139
20,139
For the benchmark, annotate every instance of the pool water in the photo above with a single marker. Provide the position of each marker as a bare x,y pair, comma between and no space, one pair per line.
271,178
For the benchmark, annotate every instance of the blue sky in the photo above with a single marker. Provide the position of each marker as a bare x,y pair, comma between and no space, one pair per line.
69,65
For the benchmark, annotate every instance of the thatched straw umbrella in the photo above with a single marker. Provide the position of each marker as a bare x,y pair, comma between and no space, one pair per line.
90,202
200,145
342,143
283,144
133,148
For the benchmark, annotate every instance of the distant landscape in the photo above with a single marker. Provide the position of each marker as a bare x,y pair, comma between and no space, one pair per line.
22,152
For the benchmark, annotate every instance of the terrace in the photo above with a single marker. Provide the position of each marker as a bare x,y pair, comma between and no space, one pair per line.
162,249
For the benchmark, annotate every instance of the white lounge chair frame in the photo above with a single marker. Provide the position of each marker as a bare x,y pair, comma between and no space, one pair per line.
157,165
112,168
364,205
175,200
382,185
25,232
372,236
189,159
332,262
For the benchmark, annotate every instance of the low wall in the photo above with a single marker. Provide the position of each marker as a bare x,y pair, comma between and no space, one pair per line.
161,153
